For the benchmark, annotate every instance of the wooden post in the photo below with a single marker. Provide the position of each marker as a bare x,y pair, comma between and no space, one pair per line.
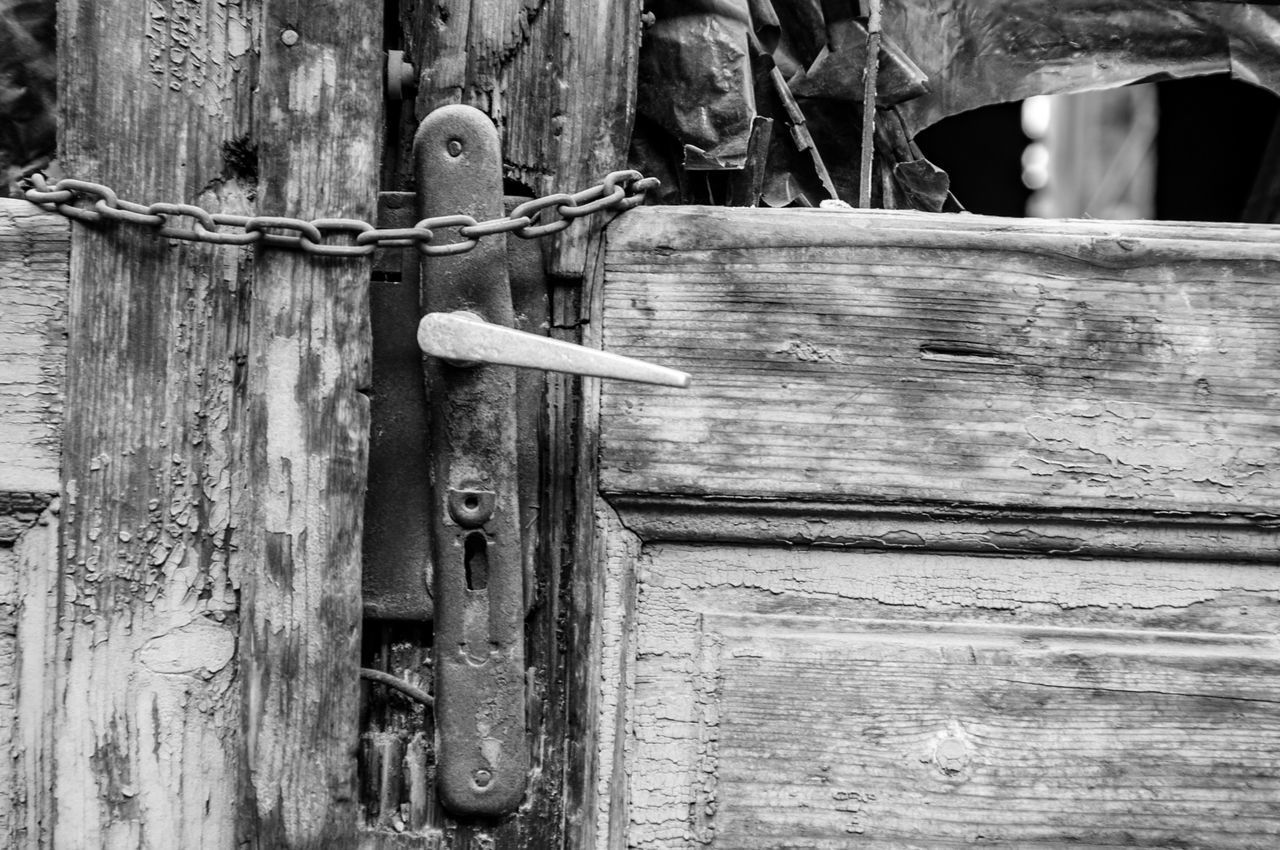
320,120
146,713
205,689
559,80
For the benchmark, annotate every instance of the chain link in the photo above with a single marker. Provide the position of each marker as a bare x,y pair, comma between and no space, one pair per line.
94,203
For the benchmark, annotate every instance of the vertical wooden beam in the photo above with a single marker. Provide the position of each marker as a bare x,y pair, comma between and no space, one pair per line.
145,713
34,257
319,120
569,107
558,77
35,586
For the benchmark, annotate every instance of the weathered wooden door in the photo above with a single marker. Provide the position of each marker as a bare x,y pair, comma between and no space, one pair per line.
964,536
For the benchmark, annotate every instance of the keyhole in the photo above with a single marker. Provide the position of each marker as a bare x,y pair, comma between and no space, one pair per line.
475,559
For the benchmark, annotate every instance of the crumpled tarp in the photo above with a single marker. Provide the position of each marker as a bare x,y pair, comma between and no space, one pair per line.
836,72
977,52
695,77
708,70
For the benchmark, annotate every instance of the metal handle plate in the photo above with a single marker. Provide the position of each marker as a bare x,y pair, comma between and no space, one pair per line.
482,750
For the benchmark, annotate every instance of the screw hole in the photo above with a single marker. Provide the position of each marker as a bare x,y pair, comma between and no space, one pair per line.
471,502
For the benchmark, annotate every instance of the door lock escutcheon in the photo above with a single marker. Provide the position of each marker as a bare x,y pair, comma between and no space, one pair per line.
482,752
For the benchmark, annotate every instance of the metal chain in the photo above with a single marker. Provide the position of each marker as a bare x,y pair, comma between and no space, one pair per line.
95,203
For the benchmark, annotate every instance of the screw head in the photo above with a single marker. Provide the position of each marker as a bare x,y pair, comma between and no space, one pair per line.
482,778
289,37
454,147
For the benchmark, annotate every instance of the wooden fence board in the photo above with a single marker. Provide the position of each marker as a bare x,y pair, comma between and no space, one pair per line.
319,116
957,360
34,253
144,721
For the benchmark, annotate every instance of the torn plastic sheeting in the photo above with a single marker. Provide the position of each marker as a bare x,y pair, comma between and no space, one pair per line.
837,73
1253,45
695,78
978,52
765,24
803,36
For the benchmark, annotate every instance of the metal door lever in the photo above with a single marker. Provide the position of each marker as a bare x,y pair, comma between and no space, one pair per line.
465,339
482,751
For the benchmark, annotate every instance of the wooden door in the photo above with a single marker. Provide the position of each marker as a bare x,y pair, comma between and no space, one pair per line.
964,536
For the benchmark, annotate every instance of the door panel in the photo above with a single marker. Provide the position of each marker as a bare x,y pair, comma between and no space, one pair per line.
797,697
963,537
896,356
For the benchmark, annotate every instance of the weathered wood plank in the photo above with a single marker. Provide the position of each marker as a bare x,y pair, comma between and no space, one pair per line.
598,625
798,697
145,718
319,124
26,572
558,77
8,697
1093,534
927,735
958,360
571,96
34,256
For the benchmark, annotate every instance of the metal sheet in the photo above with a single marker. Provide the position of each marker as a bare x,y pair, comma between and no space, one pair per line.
837,72
478,583
977,52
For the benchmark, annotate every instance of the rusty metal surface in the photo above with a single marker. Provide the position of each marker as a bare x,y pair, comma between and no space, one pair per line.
397,561
396,576
479,574
445,234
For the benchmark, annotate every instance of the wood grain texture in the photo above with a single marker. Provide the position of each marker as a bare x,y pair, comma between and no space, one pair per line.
808,697
319,125
32,587
598,631
34,256
145,716
924,735
556,76
877,526
958,360
605,701
8,686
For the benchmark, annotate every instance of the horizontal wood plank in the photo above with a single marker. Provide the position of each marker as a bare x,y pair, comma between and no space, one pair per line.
960,360
925,735
34,257
1094,534
807,697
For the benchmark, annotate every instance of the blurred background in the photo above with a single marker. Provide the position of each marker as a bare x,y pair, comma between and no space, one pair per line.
28,70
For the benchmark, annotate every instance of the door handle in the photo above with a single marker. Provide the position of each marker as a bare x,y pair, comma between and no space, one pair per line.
464,338
481,747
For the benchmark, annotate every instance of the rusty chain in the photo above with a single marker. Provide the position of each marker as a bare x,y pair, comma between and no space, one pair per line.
619,191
